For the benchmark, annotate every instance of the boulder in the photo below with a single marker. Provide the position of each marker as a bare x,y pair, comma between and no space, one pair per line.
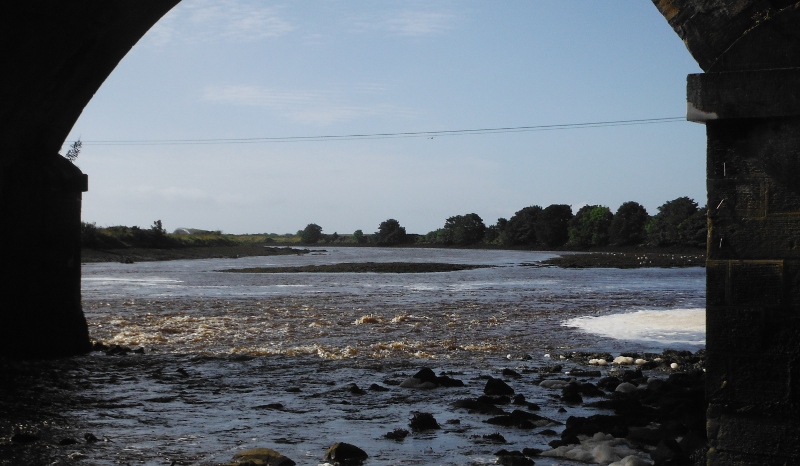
260,457
345,454
423,421
497,387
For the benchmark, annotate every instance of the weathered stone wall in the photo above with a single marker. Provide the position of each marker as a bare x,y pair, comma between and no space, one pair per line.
749,100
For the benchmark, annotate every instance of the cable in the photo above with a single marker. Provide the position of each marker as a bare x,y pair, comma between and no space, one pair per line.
413,134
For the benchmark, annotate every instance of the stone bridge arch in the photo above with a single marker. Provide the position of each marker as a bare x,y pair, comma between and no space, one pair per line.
58,53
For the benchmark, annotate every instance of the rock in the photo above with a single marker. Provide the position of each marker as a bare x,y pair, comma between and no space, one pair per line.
259,457
378,388
635,377
426,378
511,373
530,452
609,383
590,389
24,437
397,434
495,400
513,458
423,421
551,369
548,433
556,384
90,438
353,388
495,437
571,394
614,425
583,373
519,400
67,441
497,387
519,419
625,387
477,406
668,452
345,454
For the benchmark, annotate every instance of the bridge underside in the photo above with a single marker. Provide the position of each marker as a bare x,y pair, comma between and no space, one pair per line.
58,53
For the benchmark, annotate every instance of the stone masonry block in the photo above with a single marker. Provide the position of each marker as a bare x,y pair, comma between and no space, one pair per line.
753,436
770,238
755,283
742,94
732,198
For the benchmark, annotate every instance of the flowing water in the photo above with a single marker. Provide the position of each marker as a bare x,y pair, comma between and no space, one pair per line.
236,361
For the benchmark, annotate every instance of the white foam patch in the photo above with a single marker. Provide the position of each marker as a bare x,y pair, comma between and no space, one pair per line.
673,326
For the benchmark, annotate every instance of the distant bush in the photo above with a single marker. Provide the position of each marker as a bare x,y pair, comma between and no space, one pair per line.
311,234
120,237
390,233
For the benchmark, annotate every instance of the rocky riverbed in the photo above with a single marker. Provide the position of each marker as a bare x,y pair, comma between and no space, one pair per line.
627,260
628,410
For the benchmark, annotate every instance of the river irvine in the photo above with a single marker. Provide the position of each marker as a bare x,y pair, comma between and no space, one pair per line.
298,362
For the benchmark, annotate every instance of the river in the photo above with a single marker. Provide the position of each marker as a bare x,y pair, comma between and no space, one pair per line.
235,361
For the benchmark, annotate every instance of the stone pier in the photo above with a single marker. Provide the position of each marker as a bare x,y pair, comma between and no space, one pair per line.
749,100
56,54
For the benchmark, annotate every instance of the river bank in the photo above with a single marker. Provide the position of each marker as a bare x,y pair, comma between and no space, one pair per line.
626,260
131,255
622,259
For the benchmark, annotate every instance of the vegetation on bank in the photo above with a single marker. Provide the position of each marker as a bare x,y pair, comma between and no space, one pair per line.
678,224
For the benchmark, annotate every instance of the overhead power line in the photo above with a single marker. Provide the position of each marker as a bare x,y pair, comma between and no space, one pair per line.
398,135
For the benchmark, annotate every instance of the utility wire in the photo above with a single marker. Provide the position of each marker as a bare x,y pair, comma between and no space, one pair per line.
412,134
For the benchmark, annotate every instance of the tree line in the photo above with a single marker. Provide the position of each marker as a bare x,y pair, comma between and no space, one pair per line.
679,222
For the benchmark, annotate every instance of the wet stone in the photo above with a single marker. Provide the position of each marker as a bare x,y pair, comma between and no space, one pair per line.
345,454
495,437
397,434
423,421
497,387
260,457
24,437
513,458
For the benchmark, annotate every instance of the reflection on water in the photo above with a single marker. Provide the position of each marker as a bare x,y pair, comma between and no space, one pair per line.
238,361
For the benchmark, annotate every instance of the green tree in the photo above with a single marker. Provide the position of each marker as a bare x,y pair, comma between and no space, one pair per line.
311,233
693,231
390,233
590,226
552,226
358,235
628,226
521,227
663,228
465,229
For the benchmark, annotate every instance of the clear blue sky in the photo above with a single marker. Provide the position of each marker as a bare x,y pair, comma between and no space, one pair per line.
251,68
